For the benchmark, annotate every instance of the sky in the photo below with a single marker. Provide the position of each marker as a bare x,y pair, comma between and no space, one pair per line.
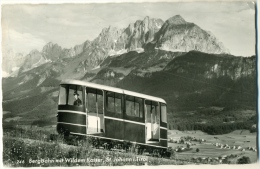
28,27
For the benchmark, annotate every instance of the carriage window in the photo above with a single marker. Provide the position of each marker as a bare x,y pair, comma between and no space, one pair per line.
148,114
110,104
163,113
118,105
75,95
100,103
156,117
62,95
152,112
94,100
114,102
133,106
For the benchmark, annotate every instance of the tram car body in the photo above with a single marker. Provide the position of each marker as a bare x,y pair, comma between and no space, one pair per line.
111,113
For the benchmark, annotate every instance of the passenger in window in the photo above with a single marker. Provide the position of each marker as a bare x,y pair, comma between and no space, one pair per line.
77,101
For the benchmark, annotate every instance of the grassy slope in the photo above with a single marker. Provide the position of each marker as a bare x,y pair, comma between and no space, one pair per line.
25,150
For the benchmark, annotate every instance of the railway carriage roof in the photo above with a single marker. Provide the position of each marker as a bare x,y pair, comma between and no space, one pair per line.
112,89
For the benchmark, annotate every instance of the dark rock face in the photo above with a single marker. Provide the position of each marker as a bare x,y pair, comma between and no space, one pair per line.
197,79
210,66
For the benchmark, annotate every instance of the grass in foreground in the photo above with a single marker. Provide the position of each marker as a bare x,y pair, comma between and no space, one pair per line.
20,152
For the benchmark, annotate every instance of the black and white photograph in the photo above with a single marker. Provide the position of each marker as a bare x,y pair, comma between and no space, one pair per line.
113,83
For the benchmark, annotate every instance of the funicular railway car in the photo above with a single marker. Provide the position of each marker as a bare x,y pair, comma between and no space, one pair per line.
110,113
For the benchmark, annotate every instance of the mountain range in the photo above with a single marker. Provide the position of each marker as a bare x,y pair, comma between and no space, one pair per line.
175,34
176,60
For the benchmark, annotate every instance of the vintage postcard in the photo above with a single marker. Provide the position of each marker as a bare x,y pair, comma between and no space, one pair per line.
129,84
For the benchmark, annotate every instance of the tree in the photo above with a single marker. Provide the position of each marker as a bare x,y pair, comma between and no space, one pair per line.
170,153
188,146
197,150
244,160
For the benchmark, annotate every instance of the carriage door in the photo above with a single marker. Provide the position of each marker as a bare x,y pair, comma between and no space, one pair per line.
152,121
94,109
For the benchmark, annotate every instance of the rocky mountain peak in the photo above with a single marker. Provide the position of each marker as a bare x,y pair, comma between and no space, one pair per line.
176,20
49,45
34,52
137,34
51,51
107,38
110,31
178,35
80,48
146,18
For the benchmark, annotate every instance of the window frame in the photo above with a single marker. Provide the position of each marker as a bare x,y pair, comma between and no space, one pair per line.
66,94
157,112
67,106
163,124
71,89
96,92
114,113
140,117
67,90
155,118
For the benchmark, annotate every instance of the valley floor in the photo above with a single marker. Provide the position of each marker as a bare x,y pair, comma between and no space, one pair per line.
227,147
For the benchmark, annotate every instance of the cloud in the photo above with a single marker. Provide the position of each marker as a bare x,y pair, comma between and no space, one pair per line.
21,42
63,21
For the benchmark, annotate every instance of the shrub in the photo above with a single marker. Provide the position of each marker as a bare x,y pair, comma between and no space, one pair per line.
244,160
188,146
